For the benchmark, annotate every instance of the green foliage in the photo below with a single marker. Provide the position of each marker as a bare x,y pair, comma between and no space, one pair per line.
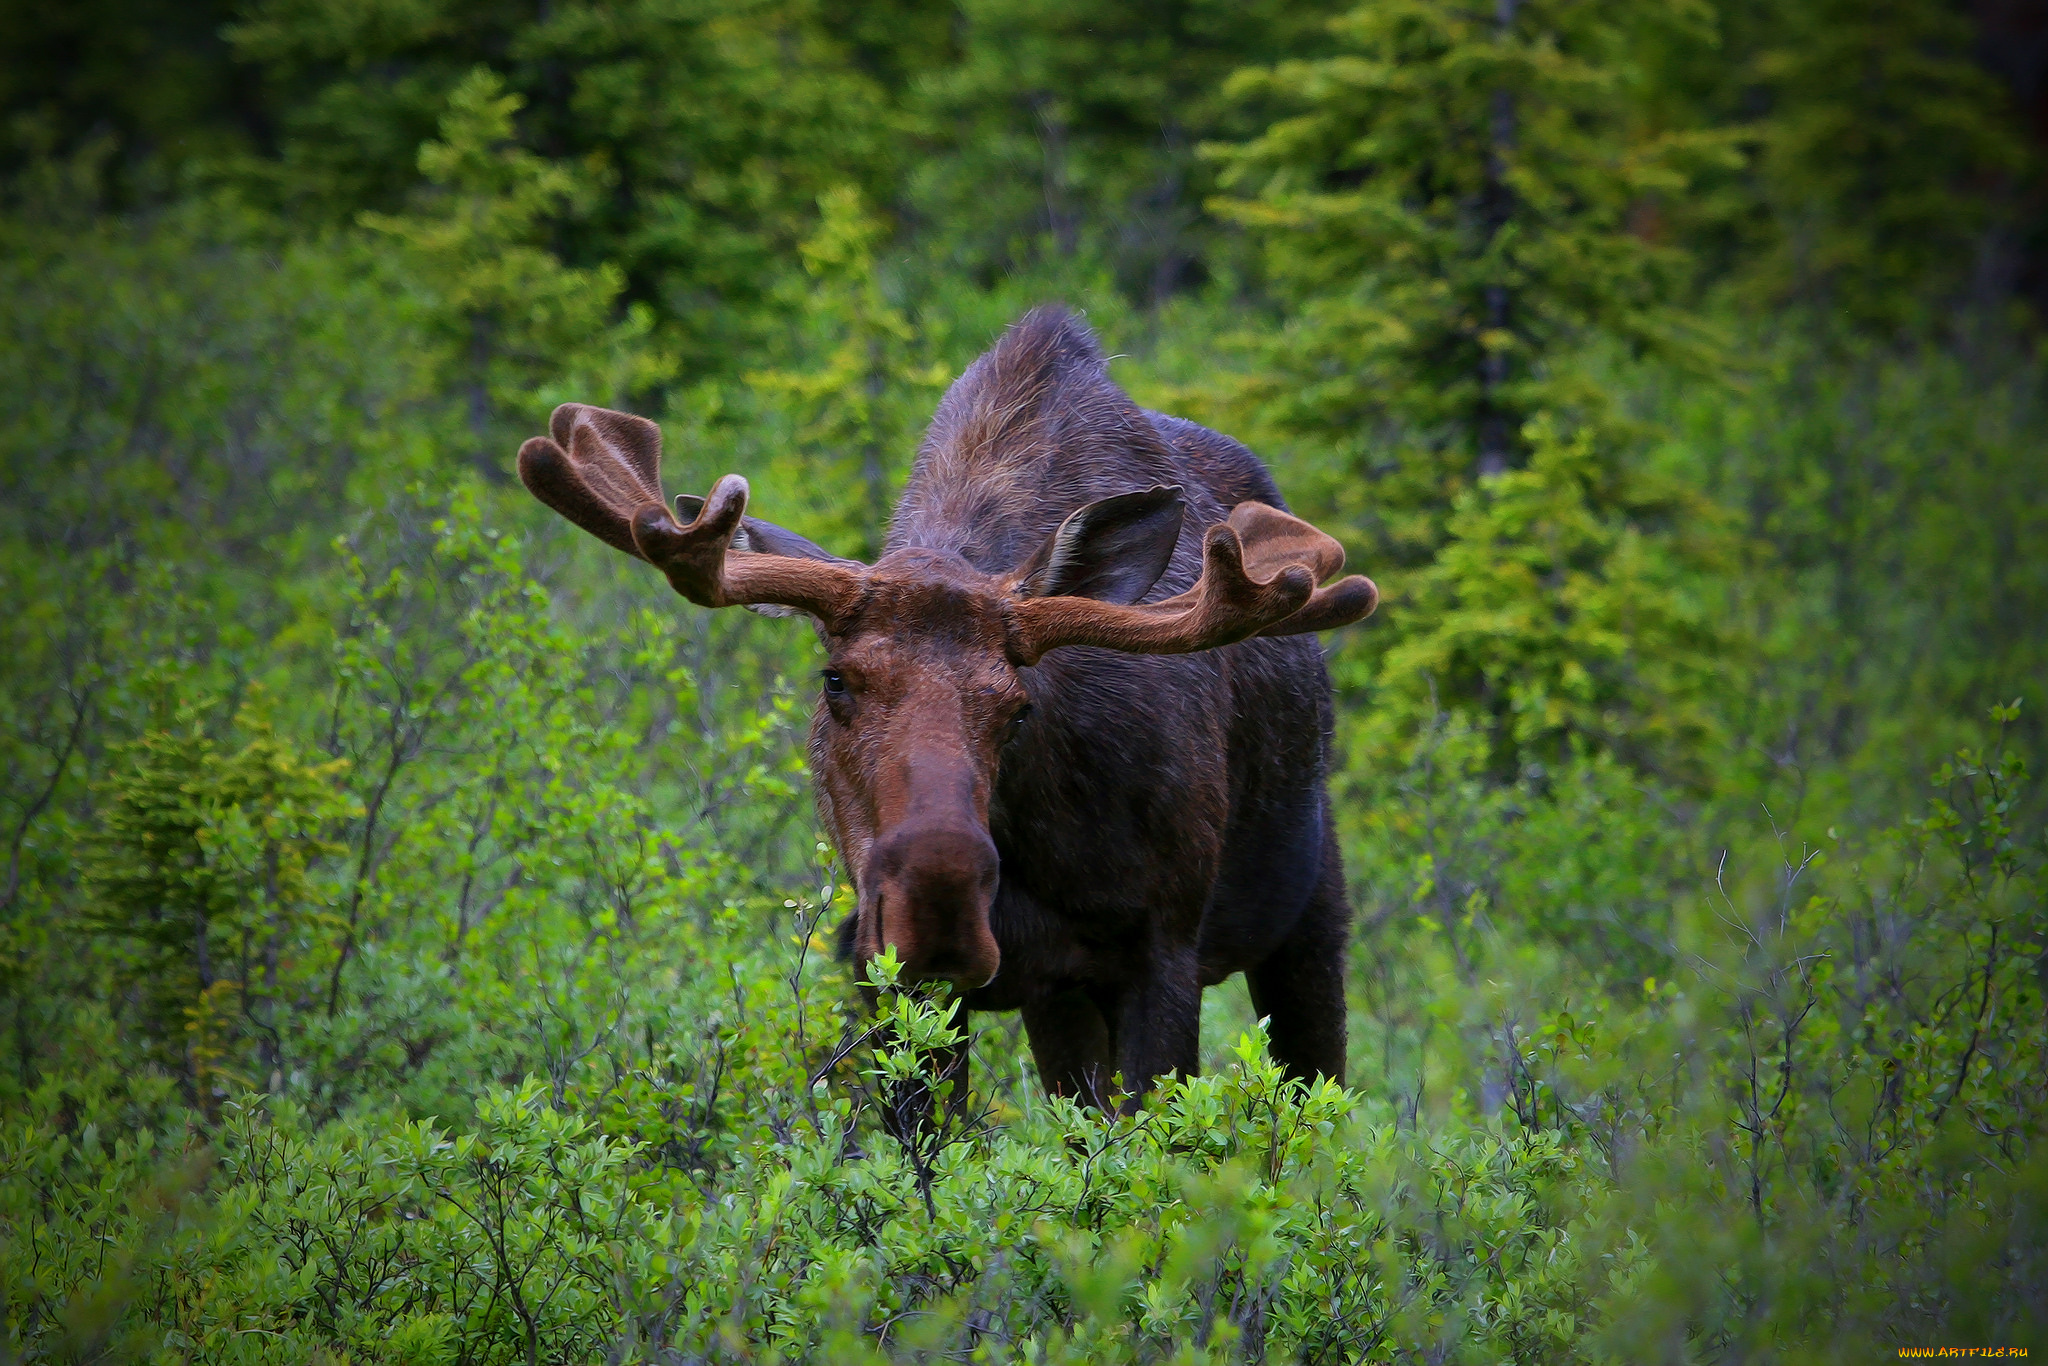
1449,200
414,942
1885,1031
713,128
228,393
863,406
202,866
1882,137
1824,1092
1880,1071
1564,630
512,315
1897,497
1072,128
1237,1214
129,88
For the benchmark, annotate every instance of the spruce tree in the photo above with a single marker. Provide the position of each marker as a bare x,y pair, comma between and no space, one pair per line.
201,872
1885,164
1884,179
510,314
715,126
1071,127
1453,206
857,415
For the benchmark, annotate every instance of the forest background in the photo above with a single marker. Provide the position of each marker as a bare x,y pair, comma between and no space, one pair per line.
412,934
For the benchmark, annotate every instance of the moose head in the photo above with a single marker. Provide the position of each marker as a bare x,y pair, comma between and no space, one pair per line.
930,659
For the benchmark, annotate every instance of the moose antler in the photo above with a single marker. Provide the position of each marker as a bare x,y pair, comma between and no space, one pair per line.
1260,569
602,470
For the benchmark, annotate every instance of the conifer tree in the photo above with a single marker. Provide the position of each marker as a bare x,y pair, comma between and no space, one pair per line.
716,125
135,88
1447,205
858,413
203,872
513,316
1884,178
1068,126
1882,162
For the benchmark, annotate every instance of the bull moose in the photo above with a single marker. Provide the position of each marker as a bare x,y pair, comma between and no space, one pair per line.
1074,731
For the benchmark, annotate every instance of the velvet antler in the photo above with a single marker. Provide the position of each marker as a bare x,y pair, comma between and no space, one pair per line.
602,470
1259,575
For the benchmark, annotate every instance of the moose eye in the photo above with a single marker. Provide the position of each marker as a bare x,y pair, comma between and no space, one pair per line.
1022,712
835,683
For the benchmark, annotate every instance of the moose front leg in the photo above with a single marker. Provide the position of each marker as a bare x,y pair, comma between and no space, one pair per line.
1070,1043
1157,1023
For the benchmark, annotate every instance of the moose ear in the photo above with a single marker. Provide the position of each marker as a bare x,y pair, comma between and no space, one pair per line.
1113,549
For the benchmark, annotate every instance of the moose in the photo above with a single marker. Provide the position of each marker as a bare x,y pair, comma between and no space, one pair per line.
1074,728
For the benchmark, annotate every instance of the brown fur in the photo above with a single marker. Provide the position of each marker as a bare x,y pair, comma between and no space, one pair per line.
1088,835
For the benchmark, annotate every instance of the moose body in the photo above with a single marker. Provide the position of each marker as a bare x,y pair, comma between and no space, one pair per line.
1074,737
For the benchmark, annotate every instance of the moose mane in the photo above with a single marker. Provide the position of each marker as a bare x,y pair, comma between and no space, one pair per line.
1032,430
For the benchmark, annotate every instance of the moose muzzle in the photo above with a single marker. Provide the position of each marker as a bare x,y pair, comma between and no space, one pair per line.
932,887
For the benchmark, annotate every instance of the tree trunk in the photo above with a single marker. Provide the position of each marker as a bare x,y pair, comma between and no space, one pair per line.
1498,429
